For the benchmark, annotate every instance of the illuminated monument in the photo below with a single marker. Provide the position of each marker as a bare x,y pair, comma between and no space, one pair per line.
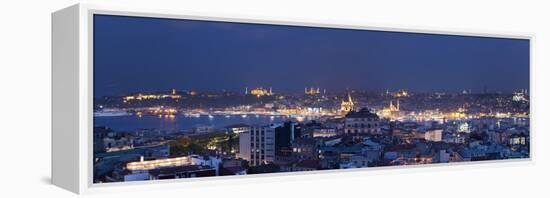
347,106
394,108
140,96
312,91
259,92
391,110
401,93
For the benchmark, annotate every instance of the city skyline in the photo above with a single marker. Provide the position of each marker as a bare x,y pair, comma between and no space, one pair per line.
303,99
133,54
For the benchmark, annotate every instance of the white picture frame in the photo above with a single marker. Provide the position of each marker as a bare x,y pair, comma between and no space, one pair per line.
72,96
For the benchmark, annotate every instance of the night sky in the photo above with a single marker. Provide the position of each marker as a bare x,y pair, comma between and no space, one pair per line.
135,54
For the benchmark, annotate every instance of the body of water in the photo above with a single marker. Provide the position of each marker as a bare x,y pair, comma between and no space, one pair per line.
132,122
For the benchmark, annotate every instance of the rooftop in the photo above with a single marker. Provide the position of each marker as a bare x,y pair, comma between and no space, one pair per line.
178,169
362,113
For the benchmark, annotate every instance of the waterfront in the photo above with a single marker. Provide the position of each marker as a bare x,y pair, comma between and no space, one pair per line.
132,122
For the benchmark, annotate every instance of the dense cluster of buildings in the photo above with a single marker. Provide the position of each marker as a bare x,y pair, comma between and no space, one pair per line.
361,137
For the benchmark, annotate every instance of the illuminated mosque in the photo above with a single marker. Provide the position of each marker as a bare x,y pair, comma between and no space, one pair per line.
347,106
313,91
391,110
259,92
400,93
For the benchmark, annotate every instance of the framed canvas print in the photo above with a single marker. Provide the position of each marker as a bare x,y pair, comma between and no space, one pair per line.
145,97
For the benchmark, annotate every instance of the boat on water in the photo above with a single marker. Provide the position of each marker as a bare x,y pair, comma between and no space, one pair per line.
194,115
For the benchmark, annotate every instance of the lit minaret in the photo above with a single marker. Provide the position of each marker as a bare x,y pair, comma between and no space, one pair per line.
246,91
397,104
392,107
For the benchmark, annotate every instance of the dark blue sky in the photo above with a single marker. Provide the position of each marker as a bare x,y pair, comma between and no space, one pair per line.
147,54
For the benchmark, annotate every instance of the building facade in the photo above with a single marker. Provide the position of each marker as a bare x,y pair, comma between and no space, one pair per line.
257,145
362,122
305,149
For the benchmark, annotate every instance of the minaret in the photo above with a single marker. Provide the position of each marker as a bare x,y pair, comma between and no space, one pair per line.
246,91
397,104
270,91
350,101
